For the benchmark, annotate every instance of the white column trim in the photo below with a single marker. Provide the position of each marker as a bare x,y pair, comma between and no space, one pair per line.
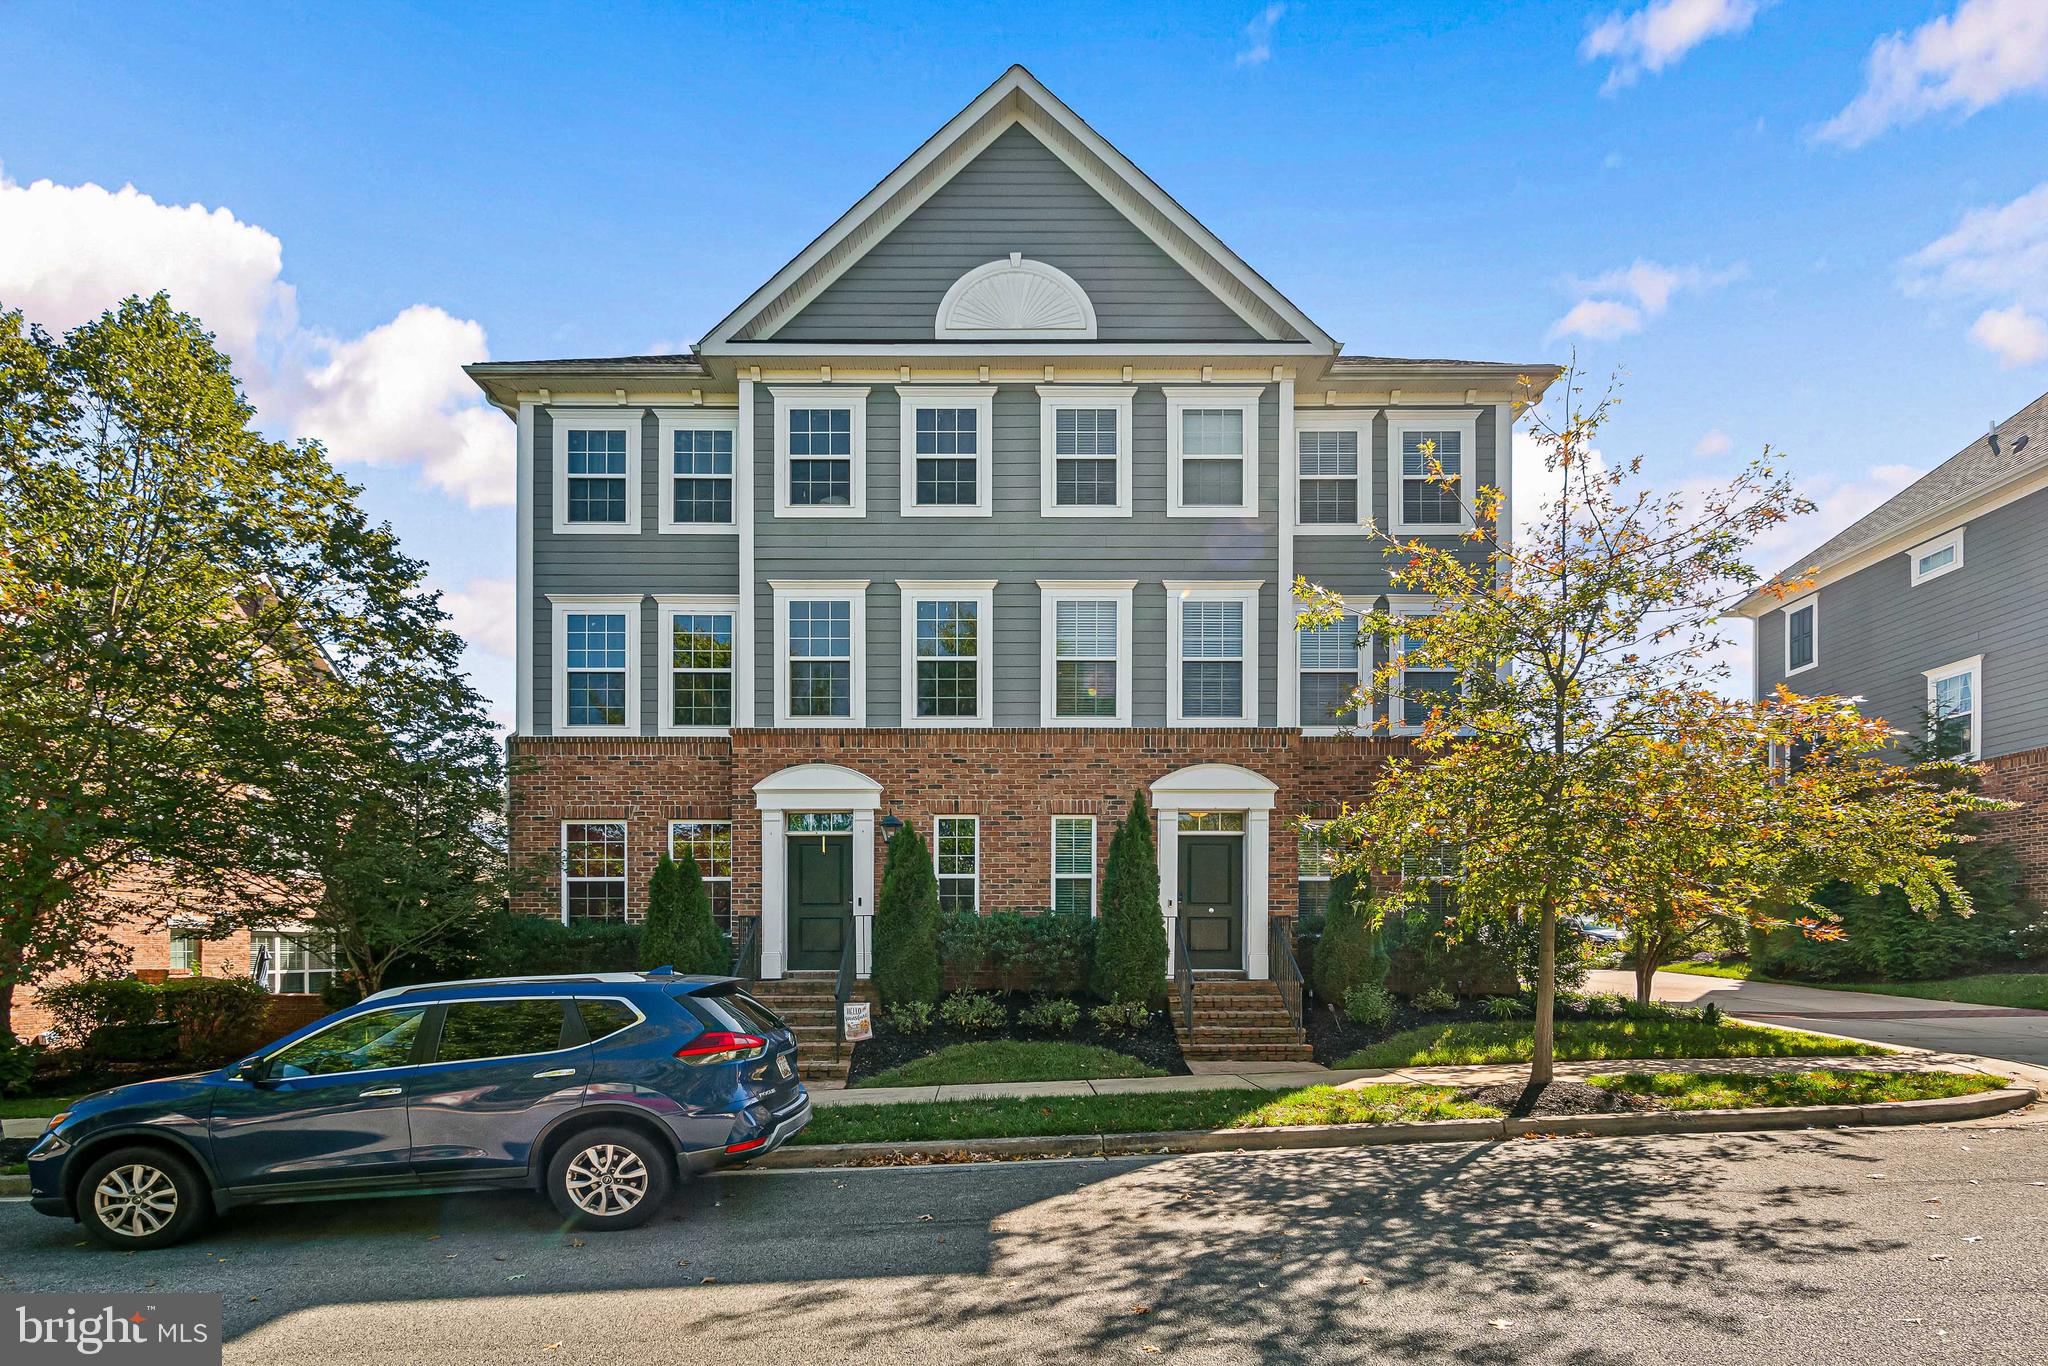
1167,827
1258,842
1287,702
774,873
743,516
522,712
863,893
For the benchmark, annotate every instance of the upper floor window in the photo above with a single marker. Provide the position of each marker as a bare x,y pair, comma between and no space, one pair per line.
1955,709
1802,635
947,655
1085,635
710,843
819,644
1429,465
1331,455
1939,556
956,850
1073,864
597,653
1212,665
698,451
821,452
593,870
946,441
697,690
1332,664
1212,451
1084,467
597,473
1420,685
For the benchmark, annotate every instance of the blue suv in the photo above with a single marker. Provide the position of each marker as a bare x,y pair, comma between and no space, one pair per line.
602,1089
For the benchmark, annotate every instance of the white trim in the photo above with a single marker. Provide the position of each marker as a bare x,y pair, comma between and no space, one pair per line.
591,420
1052,592
943,878
815,787
1401,421
853,591
1402,607
947,328
855,401
1217,787
1052,398
522,707
978,397
1946,541
1504,479
564,604
1364,715
1094,861
1357,420
668,424
1241,398
743,513
1974,667
667,606
980,592
624,879
1285,709
1246,594
1795,605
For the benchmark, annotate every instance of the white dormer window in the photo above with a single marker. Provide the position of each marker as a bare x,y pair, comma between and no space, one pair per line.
1942,555
821,452
946,437
1420,503
1212,445
597,472
697,471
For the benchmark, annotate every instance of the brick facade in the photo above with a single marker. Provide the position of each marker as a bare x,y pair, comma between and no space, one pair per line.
2023,778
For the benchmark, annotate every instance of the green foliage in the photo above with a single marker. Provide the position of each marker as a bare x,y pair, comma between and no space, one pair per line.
1369,1005
909,1017
963,943
1059,949
17,1065
512,944
1349,953
700,945
996,1060
1504,1007
1130,940
1005,935
83,1007
1044,949
907,923
976,1012
1050,1015
218,1018
1121,1017
1434,1000
125,1019
664,910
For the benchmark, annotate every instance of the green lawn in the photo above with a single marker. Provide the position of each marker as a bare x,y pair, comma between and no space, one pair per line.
1704,1091
1475,1041
1130,1114
14,1169
33,1107
2026,990
1006,1061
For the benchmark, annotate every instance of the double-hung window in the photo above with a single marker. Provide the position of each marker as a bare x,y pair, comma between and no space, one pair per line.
1085,653
597,472
697,458
1430,471
593,870
1212,442
946,440
821,653
1802,635
1084,436
821,452
710,843
1436,874
185,951
1420,685
1333,453
1942,555
597,664
1212,668
290,963
698,688
956,850
1333,662
1313,868
1955,709
948,653
1073,865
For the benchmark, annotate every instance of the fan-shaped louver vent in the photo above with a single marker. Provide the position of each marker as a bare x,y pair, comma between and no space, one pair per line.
1016,299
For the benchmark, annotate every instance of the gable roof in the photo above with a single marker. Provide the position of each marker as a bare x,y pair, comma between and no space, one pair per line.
1016,97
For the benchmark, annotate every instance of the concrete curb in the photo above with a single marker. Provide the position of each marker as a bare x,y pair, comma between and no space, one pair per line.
1426,1131
13,1185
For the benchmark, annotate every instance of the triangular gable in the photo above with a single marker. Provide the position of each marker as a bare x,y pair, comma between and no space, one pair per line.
1016,101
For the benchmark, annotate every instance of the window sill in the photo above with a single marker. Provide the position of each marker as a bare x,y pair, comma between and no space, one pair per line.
1060,513
1235,511
948,510
697,732
699,529
597,528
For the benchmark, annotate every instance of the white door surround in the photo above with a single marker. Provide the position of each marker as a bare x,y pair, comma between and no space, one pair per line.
816,787
1217,787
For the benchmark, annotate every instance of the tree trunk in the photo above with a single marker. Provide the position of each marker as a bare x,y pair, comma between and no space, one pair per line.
1540,1057
1647,950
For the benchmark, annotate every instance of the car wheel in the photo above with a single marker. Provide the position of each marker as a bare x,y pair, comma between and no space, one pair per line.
610,1178
135,1198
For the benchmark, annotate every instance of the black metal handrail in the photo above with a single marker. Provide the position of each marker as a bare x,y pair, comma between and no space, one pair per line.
1283,966
746,959
1184,975
842,990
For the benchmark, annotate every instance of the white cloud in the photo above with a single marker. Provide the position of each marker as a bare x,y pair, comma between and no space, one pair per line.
1258,36
1999,251
485,613
2014,335
1985,52
1714,443
1660,34
1603,315
1601,319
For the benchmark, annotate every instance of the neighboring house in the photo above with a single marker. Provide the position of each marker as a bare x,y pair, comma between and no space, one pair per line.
1936,605
982,515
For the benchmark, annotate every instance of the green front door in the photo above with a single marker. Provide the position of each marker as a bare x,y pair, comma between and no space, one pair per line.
820,900
1212,900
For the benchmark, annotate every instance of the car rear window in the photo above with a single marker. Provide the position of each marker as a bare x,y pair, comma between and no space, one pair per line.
733,1008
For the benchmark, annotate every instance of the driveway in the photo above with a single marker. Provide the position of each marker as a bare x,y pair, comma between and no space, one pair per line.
1944,1026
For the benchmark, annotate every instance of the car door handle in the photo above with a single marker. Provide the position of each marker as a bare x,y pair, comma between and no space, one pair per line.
558,1072
381,1091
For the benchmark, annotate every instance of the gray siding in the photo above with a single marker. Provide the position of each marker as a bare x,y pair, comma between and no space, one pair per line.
1016,196
1878,633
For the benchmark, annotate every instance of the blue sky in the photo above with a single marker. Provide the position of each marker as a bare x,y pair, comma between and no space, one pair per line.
1822,225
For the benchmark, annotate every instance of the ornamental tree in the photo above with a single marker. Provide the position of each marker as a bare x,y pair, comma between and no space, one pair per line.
906,948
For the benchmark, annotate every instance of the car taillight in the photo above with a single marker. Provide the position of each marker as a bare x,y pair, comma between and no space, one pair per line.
717,1046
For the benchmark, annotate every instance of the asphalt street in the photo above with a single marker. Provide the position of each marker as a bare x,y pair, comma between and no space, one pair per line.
1851,1246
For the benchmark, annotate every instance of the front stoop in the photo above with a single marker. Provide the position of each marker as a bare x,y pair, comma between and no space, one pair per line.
805,1001
1239,1021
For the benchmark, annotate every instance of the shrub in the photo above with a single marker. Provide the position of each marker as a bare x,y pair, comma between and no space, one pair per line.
1504,1007
154,1042
1369,1005
1710,1013
1349,953
976,1012
217,1018
1434,1000
664,911
1059,950
1051,1015
514,944
1130,941
907,923
1006,934
83,1008
700,945
18,1063
963,943
910,1017
1607,1004
1121,1017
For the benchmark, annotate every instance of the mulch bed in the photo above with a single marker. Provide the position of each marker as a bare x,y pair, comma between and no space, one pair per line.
1154,1045
1333,1037
1560,1098
13,1150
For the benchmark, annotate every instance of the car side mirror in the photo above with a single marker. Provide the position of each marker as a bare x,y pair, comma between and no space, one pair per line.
255,1071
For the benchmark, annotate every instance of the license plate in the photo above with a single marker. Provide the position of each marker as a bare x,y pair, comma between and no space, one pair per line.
782,1066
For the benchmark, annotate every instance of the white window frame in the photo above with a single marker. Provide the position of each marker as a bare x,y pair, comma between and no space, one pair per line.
854,591
584,419
1364,715
669,424
1974,668
669,607
273,973
1404,608
1051,593
1952,540
980,592
566,603
1310,827
198,954
978,397
855,400
1358,420
1245,399
1052,400
625,878
1179,592
1094,862
1811,600
726,876
1466,424
944,878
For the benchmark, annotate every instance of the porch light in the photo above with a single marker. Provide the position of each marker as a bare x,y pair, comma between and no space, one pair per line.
891,823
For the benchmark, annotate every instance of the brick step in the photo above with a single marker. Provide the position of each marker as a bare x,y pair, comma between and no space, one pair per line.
1264,1052
1238,1010
1282,1033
